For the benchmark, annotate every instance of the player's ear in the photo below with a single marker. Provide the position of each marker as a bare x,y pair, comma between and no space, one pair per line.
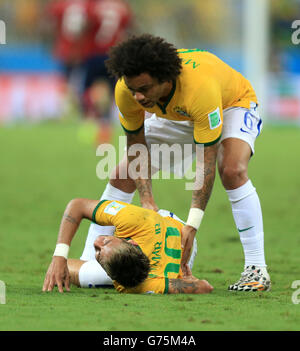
133,242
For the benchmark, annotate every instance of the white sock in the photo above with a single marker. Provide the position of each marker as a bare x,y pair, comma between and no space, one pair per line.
110,193
92,275
247,214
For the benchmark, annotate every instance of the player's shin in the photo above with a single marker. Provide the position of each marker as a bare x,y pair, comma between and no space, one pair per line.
247,215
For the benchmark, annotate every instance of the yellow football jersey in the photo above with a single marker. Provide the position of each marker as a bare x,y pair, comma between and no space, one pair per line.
205,87
158,237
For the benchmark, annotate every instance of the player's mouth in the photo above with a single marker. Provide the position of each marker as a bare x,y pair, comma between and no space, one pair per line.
147,104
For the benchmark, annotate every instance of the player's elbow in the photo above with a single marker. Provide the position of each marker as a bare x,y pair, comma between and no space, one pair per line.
75,209
205,287
74,204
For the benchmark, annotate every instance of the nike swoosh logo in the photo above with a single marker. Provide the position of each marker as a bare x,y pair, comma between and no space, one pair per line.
243,230
245,131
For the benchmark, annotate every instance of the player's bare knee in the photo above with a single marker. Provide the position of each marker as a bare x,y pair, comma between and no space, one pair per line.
120,179
233,176
119,171
126,185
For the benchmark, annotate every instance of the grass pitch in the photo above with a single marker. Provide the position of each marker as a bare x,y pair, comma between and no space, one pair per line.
44,166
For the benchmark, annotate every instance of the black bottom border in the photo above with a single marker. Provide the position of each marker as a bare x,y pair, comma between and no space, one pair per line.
136,340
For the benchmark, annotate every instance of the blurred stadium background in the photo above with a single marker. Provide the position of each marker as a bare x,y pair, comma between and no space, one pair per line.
44,164
254,36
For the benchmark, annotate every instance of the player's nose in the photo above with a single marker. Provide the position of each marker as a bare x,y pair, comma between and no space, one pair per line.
139,97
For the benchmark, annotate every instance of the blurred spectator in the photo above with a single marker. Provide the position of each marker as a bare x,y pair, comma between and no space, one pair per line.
70,28
110,22
88,30
85,30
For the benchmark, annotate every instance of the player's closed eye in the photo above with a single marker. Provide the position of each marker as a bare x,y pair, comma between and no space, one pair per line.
141,90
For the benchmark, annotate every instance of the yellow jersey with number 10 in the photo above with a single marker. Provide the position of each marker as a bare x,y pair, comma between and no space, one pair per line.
158,237
205,87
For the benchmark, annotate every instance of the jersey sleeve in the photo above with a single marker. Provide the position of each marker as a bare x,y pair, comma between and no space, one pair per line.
103,216
207,113
131,115
125,217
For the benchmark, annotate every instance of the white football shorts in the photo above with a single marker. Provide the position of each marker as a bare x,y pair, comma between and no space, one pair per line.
238,122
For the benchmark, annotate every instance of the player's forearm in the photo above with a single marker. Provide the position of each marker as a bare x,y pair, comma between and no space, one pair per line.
188,286
144,187
70,222
141,172
203,189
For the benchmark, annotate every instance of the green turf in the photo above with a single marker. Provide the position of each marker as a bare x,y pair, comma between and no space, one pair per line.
44,166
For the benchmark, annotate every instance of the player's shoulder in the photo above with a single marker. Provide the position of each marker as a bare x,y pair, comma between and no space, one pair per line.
197,72
124,98
197,54
121,90
120,85
196,63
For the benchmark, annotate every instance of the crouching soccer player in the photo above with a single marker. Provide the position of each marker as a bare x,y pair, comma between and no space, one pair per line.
143,255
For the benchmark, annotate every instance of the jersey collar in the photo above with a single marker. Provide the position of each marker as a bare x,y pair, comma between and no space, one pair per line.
164,106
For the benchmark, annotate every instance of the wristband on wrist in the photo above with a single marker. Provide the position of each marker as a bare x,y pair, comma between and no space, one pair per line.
195,217
62,250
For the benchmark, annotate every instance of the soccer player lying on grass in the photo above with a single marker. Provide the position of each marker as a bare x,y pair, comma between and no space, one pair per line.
143,255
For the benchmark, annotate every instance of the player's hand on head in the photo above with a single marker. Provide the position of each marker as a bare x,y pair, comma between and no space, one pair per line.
57,275
187,273
187,239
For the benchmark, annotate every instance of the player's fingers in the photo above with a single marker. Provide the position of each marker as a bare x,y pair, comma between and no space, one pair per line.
67,280
183,241
51,284
59,285
67,283
46,282
184,270
185,256
188,271
186,253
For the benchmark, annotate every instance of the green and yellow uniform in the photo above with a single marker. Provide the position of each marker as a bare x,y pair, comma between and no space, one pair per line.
158,237
205,87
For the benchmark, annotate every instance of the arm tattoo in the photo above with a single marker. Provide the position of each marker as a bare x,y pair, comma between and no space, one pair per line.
143,184
201,196
70,219
180,286
144,187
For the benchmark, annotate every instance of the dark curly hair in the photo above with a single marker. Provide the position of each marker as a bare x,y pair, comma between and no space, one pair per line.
144,54
128,265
